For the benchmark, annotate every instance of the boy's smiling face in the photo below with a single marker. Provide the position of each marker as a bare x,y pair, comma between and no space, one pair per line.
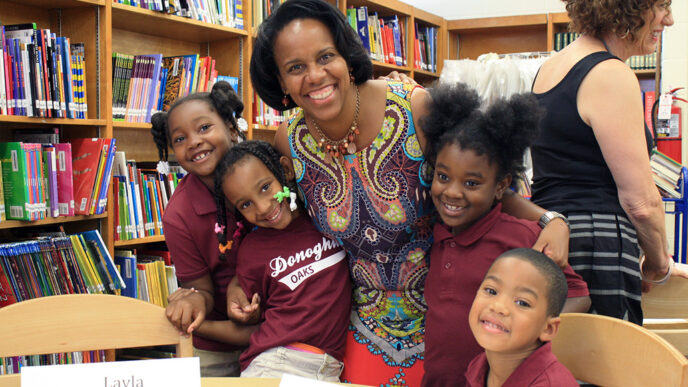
509,313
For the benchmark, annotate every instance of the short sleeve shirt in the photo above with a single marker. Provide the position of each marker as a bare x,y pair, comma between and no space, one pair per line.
189,222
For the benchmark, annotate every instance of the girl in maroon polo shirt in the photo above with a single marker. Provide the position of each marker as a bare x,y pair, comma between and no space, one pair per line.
298,277
200,128
474,153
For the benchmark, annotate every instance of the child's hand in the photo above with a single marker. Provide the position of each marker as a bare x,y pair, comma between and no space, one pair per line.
186,310
240,310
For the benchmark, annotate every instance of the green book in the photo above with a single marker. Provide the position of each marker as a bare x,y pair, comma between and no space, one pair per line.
15,180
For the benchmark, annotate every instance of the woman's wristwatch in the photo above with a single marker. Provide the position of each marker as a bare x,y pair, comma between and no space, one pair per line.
549,216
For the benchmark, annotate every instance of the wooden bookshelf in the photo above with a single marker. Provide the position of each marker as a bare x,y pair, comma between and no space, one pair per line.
470,38
8,224
41,121
140,241
132,125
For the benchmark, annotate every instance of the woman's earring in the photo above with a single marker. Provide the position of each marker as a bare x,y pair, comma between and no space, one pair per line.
285,100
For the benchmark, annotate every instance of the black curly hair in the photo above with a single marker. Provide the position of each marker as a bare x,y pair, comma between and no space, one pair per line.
503,132
261,150
264,72
222,99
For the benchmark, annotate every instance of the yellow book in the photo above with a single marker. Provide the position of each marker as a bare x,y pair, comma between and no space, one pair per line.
86,267
95,194
162,278
153,283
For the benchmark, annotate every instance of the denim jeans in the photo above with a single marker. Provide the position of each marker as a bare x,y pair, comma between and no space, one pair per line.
277,361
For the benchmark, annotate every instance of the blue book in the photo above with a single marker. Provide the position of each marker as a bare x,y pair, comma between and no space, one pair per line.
155,78
127,268
95,237
362,26
105,182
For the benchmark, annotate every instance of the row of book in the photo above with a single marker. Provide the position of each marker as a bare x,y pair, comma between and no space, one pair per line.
149,275
228,13
563,39
264,115
425,48
638,62
13,364
382,36
643,62
145,84
141,194
55,265
44,179
41,74
666,173
262,9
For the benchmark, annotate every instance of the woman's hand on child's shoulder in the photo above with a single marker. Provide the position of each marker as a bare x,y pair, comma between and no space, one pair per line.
186,310
554,242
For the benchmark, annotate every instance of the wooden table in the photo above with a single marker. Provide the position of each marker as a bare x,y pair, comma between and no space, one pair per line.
15,381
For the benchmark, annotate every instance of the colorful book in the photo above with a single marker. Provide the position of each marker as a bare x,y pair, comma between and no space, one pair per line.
15,180
65,184
85,159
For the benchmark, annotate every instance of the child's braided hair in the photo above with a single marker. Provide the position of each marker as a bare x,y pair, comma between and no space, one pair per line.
264,152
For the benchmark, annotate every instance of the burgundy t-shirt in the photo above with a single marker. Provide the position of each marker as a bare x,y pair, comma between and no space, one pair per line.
189,223
303,281
458,265
541,369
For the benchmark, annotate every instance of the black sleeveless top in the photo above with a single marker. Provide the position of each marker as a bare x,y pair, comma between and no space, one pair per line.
569,171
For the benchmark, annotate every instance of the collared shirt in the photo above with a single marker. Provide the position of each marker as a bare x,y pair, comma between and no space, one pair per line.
540,369
189,222
458,264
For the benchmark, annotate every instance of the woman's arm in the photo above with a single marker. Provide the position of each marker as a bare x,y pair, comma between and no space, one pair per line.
608,101
554,238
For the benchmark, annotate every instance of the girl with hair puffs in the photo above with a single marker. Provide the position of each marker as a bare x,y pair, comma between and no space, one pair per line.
298,276
200,129
475,155
358,157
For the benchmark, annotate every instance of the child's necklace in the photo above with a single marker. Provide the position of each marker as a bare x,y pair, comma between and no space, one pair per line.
337,149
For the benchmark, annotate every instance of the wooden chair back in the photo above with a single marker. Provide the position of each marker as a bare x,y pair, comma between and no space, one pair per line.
610,352
85,322
666,307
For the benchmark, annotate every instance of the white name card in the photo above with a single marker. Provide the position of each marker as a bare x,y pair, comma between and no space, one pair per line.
181,372
289,380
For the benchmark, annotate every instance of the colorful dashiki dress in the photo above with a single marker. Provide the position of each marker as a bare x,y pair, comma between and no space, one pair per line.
376,203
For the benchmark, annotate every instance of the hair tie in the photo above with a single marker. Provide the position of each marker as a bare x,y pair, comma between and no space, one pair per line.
219,229
226,247
282,195
237,232
292,201
242,125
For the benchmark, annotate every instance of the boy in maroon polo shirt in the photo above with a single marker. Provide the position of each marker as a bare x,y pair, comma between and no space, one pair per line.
514,316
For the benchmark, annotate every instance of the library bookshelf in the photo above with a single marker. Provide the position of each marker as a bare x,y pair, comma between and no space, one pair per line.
470,38
106,27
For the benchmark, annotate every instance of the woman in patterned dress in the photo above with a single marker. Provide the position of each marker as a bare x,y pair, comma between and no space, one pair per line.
360,169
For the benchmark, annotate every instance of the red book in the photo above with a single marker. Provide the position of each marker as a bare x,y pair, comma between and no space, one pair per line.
7,296
648,102
85,159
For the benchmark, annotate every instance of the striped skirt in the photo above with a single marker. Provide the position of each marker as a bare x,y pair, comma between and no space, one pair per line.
604,250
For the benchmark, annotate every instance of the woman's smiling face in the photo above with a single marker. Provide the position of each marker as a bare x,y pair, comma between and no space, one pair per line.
311,70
